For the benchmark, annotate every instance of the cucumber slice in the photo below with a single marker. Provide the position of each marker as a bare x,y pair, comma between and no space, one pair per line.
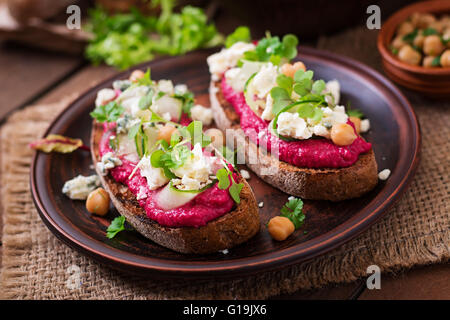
167,104
170,197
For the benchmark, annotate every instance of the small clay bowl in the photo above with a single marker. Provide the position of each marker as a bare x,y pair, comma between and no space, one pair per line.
433,82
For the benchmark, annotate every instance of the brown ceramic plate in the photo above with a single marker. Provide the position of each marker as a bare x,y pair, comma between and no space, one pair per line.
396,140
433,82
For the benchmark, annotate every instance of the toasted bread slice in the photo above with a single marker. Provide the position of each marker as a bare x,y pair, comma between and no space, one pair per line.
317,184
222,233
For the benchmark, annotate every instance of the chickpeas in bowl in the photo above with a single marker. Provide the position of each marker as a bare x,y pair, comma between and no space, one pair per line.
423,40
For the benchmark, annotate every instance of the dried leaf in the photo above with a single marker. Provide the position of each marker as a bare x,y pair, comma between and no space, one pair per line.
57,143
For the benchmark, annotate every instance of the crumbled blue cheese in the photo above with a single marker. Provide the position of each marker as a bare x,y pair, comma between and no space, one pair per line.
104,96
79,187
202,114
228,57
107,162
384,174
121,85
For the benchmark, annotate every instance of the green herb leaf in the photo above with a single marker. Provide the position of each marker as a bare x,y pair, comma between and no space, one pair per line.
223,177
285,82
293,210
117,225
155,158
429,32
436,62
281,99
235,190
107,113
355,113
146,101
133,131
241,33
318,86
146,80
409,38
273,50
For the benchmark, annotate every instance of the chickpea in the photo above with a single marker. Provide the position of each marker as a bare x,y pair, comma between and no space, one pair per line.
428,62
424,20
432,45
437,25
357,123
98,202
418,40
405,28
165,133
280,228
409,55
398,42
289,70
445,58
216,138
136,75
342,134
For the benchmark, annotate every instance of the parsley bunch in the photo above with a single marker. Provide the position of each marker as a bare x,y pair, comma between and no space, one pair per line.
274,50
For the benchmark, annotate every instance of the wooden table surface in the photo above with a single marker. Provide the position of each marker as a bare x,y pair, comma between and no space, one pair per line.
30,76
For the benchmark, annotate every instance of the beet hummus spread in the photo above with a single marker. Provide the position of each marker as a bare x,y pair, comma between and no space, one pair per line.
309,153
206,206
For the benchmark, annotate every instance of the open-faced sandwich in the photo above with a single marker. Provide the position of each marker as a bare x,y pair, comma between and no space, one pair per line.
292,122
162,172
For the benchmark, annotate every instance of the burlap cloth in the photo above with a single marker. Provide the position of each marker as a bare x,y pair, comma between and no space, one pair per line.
414,232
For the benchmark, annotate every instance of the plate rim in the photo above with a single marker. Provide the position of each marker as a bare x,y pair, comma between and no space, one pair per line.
273,260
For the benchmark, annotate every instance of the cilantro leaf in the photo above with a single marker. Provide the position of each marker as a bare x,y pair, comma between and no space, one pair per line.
436,62
293,210
117,225
273,49
409,38
107,113
429,31
241,33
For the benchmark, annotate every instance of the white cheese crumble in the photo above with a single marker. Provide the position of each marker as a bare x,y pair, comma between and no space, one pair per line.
267,113
334,88
166,86
107,162
365,125
291,125
384,174
195,172
181,88
202,114
225,251
79,187
237,77
228,57
155,176
104,96
245,174
265,80
261,204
